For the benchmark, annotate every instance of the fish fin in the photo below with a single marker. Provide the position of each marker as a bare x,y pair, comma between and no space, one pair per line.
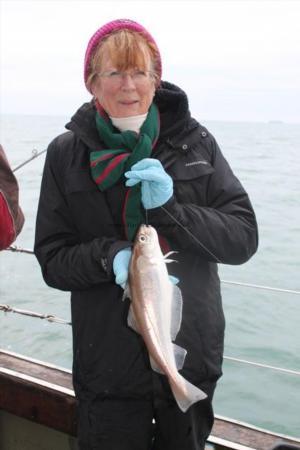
169,253
155,366
176,312
131,320
167,260
179,354
187,395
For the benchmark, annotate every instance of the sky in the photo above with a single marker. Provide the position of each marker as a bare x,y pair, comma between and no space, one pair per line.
237,60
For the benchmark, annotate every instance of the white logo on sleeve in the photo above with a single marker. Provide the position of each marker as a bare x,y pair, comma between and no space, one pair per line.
195,163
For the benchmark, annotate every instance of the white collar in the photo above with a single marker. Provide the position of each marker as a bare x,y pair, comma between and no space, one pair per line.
132,123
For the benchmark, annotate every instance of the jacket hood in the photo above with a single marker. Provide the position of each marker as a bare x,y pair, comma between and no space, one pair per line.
172,103
173,106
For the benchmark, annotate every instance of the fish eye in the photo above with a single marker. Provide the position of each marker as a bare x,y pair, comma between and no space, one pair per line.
143,238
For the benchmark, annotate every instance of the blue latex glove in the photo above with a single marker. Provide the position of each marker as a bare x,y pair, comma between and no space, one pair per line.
157,185
120,266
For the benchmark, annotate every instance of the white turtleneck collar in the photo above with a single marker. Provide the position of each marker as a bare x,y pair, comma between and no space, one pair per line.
132,123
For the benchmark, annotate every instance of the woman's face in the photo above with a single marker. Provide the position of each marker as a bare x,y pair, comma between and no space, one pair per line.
124,94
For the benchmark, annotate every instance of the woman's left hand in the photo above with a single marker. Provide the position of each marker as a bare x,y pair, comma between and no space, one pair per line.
157,185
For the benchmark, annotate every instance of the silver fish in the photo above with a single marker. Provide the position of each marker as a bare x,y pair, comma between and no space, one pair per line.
155,313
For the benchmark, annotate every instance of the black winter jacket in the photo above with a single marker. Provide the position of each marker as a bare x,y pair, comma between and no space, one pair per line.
79,231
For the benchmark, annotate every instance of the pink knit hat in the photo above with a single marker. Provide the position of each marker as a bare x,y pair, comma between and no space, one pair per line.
108,28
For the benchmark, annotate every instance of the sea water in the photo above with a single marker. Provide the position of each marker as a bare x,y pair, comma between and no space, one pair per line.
261,326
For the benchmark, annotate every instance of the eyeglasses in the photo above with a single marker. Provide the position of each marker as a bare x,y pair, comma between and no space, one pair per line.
139,77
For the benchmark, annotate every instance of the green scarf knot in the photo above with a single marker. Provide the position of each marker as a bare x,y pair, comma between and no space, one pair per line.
124,150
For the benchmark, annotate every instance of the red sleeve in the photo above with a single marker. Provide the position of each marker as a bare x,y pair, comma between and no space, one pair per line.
7,231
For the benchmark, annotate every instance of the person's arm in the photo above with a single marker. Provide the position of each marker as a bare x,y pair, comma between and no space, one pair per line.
66,262
7,230
11,215
226,227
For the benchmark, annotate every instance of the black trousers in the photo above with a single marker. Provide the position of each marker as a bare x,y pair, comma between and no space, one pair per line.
127,424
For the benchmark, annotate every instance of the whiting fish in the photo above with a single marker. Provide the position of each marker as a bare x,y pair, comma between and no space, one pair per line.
155,313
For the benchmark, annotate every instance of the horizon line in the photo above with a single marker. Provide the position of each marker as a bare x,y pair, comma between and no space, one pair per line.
265,121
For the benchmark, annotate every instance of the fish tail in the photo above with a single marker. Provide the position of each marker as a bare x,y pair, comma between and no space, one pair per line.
186,394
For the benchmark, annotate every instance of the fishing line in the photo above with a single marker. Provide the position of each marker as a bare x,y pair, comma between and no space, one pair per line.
146,217
190,234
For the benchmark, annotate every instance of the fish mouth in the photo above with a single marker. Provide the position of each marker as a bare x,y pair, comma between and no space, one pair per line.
146,227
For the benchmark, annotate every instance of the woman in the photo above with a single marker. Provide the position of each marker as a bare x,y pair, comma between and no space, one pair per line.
11,216
133,154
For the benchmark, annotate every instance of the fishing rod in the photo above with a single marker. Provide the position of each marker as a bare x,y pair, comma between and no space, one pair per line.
35,154
15,248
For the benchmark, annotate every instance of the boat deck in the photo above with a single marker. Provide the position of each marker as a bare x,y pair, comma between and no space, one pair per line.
43,394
